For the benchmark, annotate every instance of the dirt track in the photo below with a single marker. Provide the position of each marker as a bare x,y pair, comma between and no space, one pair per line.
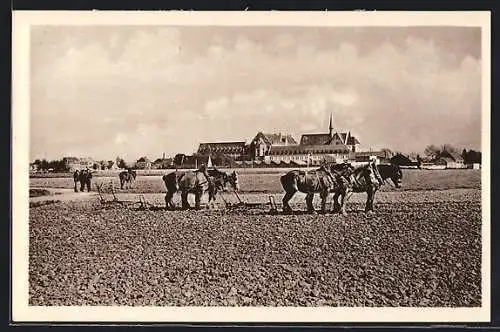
63,194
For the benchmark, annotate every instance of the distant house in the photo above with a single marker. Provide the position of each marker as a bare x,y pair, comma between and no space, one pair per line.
236,150
404,161
73,163
86,162
332,138
33,167
261,144
310,154
313,149
454,160
367,156
162,163
449,162
143,163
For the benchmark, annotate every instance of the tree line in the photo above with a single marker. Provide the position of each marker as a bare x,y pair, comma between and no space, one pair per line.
63,165
434,152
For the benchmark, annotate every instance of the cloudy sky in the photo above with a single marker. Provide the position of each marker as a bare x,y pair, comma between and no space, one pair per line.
130,91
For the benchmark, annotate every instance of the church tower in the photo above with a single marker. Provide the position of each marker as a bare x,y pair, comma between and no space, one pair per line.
330,127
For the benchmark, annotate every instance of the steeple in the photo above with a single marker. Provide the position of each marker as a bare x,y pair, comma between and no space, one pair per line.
331,125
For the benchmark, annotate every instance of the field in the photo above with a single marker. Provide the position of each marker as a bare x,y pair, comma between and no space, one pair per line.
421,247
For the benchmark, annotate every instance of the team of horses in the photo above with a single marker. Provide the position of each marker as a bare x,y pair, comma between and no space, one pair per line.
84,178
340,179
197,182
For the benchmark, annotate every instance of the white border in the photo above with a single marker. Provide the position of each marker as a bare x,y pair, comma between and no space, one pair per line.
22,20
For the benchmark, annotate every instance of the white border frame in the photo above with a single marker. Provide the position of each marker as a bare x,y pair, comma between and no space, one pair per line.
22,312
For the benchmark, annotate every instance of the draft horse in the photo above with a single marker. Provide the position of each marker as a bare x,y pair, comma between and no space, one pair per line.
197,182
127,178
84,177
369,178
323,180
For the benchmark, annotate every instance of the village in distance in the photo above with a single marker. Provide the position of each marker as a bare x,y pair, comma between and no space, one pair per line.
277,150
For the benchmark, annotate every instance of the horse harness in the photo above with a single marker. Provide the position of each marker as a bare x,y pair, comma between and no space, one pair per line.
207,179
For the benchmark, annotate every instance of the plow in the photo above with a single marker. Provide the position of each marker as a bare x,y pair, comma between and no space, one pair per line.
242,205
143,204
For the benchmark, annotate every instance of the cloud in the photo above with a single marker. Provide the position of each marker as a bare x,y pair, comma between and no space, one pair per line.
164,90
217,108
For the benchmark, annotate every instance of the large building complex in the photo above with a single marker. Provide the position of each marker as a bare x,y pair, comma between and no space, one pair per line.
272,148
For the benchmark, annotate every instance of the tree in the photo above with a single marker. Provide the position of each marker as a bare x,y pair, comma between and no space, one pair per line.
413,155
121,163
475,157
44,165
432,152
464,155
448,148
471,156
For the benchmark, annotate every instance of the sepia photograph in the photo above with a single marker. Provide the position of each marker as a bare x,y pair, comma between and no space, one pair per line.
251,166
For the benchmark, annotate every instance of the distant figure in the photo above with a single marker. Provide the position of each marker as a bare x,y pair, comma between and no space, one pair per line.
83,176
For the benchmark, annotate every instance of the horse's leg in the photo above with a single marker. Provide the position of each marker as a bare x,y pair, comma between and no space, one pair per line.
211,197
76,188
197,199
121,183
343,201
168,200
288,196
372,198
309,202
184,199
82,185
324,196
336,205
369,200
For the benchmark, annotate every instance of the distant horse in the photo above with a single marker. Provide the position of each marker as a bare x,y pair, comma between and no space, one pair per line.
127,178
369,178
219,180
323,180
197,182
84,177
391,171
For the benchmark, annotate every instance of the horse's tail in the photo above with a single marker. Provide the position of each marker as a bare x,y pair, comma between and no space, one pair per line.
289,182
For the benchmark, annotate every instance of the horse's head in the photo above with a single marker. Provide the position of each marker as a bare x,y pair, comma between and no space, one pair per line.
396,175
232,179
